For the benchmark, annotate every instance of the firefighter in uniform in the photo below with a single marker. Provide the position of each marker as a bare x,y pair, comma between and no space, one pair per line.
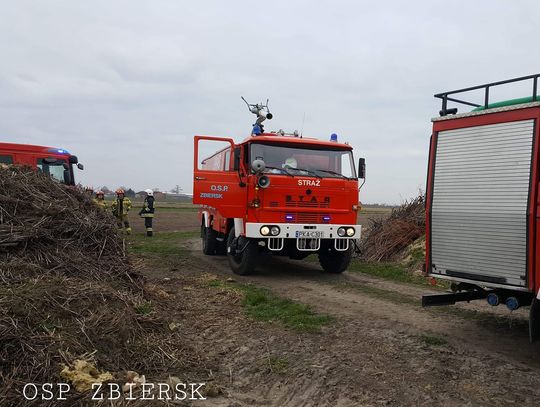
147,212
100,201
120,208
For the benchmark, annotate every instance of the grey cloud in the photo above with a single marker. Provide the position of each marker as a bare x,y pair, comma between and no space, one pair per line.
126,84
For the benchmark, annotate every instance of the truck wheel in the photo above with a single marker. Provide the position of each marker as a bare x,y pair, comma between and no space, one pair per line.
333,261
221,246
209,241
243,263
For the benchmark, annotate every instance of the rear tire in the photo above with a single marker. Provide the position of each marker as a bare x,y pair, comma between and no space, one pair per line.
209,241
333,261
244,263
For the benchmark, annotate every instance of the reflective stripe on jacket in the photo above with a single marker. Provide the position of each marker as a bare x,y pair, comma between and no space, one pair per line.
147,210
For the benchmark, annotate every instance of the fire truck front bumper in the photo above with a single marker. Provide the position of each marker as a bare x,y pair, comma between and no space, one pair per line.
302,231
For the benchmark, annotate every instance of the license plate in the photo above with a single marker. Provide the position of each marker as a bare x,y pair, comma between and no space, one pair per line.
309,234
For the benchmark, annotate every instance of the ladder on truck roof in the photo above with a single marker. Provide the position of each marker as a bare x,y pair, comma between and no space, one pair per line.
445,96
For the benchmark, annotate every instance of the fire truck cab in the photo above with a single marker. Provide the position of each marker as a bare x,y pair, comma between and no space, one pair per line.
56,162
483,197
277,194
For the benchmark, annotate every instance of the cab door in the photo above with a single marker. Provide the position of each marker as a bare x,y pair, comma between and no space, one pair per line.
217,181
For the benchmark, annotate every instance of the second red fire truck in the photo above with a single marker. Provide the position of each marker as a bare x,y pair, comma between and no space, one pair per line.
56,162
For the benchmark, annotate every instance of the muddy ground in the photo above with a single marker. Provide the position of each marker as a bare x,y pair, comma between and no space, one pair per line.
381,347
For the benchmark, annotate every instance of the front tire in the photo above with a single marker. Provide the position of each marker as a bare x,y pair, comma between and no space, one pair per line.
209,242
243,263
335,262
221,246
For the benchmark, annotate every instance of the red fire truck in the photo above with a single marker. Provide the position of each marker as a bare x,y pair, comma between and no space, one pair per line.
277,193
482,215
56,162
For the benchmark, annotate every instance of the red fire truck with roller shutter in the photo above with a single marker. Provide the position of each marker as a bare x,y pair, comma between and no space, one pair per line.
482,214
277,193
56,162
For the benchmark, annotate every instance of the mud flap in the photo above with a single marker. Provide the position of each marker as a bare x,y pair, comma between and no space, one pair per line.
534,321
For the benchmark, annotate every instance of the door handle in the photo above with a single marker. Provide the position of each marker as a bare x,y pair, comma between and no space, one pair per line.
200,178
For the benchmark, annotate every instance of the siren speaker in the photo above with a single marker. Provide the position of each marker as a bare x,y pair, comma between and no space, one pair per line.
263,182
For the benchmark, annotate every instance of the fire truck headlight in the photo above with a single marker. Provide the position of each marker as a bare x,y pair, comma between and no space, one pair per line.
341,232
274,230
265,230
350,232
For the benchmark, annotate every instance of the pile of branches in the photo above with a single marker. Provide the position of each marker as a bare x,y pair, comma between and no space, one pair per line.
385,239
47,224
67,288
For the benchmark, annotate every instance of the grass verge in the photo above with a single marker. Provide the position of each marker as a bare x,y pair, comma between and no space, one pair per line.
262,304
162,243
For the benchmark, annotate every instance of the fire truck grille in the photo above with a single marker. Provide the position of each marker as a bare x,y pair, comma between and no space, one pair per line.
307,202
308,217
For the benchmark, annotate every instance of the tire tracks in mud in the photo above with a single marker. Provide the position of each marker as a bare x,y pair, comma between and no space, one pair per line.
376,351
354,295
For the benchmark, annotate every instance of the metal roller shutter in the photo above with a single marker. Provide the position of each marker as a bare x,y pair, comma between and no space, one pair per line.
479,207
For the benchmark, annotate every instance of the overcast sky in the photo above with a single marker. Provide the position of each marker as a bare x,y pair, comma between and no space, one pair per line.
125,85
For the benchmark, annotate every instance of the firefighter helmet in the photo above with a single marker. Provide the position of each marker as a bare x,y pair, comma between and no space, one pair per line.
149,192
120,191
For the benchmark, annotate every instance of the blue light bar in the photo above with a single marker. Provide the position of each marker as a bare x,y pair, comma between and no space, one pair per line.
58,151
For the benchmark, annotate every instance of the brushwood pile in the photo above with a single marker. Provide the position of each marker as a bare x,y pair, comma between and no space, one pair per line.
387,239
67,289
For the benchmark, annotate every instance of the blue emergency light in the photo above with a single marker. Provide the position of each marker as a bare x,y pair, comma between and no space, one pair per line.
333,137
58,150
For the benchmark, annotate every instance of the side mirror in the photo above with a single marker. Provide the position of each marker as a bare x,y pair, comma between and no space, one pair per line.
80,166
258,166
236,159
362,168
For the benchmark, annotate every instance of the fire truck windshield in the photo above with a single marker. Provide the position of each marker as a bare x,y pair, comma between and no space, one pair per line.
305,161
56,169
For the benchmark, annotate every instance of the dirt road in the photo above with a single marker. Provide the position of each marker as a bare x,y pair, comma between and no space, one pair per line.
382,348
